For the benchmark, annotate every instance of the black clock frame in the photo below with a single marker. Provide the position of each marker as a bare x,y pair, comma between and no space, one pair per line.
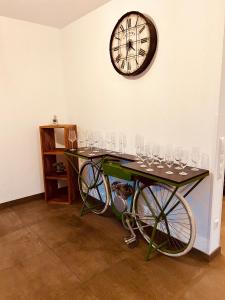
151,51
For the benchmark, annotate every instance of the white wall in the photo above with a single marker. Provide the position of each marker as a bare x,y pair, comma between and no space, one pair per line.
219,161
176,101
31,91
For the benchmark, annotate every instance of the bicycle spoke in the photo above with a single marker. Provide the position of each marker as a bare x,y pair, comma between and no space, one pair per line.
95,193
173,234
148,205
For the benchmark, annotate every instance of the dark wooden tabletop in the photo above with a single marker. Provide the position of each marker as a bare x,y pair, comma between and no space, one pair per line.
161,173
89,153
139,168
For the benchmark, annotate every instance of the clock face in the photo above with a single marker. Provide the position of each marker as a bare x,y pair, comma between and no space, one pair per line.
133,44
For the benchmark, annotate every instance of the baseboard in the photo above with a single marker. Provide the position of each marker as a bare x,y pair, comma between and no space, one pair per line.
22,200
204,256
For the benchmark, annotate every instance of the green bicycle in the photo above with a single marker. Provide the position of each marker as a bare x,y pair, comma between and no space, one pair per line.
156,209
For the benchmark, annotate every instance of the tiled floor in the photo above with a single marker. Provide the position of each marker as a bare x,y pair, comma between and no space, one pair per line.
49,252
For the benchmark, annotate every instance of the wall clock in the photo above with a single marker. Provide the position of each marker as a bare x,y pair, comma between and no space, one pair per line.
133,44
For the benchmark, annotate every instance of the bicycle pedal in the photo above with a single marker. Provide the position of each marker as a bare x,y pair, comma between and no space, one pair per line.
130,239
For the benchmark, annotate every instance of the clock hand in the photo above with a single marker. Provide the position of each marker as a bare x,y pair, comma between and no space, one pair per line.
127,52
128,48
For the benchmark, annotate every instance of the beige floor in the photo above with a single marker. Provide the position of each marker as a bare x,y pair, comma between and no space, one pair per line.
49,252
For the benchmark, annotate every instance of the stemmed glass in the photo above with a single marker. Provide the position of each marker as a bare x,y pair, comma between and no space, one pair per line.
113,142
86,139
149,157
90,140
81,139
184,162
195,157
100,140
139,145
96,141
143,155
169,161
177,157
108,141
72,136
120,143
124,143
161,157
155,153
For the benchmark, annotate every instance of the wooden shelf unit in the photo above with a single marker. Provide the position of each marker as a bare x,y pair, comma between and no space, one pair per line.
60,187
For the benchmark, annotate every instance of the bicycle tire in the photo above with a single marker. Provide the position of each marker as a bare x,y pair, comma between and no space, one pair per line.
176,230
94,188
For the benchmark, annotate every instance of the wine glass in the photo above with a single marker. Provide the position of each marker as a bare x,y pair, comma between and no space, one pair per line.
100,140
195,157
96,141
72,136
124,143
81,139
149,157
161,157
113,142
184,162
143,155
139,144
120,144
177,157
108,141
155,153
85,139
169,159
90,140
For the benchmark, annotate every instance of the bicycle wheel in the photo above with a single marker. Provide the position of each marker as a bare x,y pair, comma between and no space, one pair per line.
170,220
93,187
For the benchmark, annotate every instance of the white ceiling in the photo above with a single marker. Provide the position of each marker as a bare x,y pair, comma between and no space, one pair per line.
56,13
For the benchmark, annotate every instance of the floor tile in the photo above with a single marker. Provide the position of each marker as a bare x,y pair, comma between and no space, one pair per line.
123,282
13,285
48,277
9,221
51,253
17,246
57,230
35,211
90,253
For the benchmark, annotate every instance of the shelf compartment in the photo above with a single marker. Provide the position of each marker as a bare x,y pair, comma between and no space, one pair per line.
56,151
57,176
60,196
59,187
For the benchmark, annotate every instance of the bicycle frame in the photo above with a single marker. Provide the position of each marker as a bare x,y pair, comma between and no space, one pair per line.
111,166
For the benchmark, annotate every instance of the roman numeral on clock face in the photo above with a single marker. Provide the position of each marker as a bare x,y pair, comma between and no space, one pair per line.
116,48
144,40
142,52
128,66
140,31
137,20
122,28
129,22
118,58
